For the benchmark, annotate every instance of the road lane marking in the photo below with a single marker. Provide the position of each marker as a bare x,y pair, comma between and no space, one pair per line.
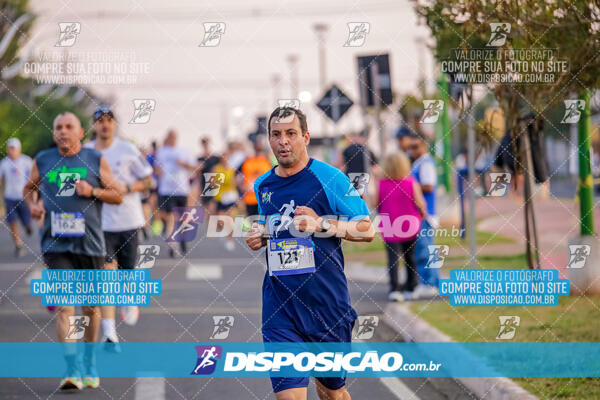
209,272
36,273
150,388
398,388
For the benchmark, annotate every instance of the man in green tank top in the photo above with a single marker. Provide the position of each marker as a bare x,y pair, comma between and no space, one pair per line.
65,190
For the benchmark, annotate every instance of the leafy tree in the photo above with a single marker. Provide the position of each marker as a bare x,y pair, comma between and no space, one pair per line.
572,27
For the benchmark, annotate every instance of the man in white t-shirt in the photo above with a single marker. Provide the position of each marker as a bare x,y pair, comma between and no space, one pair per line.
14,171
120,222
174,167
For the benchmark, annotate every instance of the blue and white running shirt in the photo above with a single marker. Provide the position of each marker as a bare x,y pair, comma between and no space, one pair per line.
316,301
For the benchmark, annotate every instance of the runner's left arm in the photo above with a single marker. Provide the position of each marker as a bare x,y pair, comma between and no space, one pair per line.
305,219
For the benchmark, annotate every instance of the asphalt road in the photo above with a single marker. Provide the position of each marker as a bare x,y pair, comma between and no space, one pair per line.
209,281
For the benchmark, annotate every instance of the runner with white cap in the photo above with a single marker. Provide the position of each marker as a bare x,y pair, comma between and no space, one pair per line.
14,171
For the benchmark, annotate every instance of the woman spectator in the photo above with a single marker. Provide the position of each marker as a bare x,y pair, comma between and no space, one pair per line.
401,199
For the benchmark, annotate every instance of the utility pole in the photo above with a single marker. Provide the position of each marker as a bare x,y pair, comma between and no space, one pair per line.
321,30
292,59
471,185
377,100
446,158
275,81
586,182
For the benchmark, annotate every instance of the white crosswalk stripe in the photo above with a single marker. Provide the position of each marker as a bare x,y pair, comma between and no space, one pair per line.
150,388
398,388
195,272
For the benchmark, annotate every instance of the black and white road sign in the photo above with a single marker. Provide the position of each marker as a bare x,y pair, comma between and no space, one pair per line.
370,67
335,103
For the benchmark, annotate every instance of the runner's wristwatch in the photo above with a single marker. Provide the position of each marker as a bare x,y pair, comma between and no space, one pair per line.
325,225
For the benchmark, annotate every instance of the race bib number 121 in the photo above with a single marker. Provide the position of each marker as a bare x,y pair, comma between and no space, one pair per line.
291,256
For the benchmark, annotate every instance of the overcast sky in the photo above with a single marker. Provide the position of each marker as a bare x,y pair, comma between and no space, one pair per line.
198,90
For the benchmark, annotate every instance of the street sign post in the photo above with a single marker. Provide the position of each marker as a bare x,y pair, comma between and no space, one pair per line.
335,103
375,88
374,72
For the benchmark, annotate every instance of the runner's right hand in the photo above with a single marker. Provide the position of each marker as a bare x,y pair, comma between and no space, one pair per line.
254,238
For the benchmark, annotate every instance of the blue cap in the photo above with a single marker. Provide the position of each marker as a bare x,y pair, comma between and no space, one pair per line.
403,131
100,111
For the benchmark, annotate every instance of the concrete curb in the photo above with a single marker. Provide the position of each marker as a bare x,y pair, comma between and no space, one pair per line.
415,329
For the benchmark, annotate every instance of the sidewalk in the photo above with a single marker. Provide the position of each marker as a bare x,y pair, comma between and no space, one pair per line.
557,220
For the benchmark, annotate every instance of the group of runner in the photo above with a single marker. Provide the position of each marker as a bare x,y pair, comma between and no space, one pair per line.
92,202
89,202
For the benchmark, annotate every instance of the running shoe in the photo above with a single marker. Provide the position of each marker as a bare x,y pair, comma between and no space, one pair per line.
111,344
130,314
71,381
19,252
90,378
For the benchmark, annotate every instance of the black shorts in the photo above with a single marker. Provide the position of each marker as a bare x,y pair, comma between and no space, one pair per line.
224,206
251,209
122,246
206,200
72,261
167,203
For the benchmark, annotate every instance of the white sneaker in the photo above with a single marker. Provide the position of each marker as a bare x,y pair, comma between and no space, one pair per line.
229,245
130,314
425,291
395,296
409,295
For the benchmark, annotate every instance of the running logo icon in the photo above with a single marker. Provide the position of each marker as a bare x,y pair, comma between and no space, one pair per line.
186,223
500,31
432,111
148,253
437,255
68,33
285,217
77,325
223,324
508,326
212,183
207,359
68,181
284,104
499,184
266,197
573,110
357,33
212,34
142,110
366,327
578,254
359,183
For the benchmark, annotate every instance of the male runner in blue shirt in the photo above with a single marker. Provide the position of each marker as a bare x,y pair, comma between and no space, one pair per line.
305,213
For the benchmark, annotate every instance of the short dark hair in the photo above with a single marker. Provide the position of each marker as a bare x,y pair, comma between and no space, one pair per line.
282,112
